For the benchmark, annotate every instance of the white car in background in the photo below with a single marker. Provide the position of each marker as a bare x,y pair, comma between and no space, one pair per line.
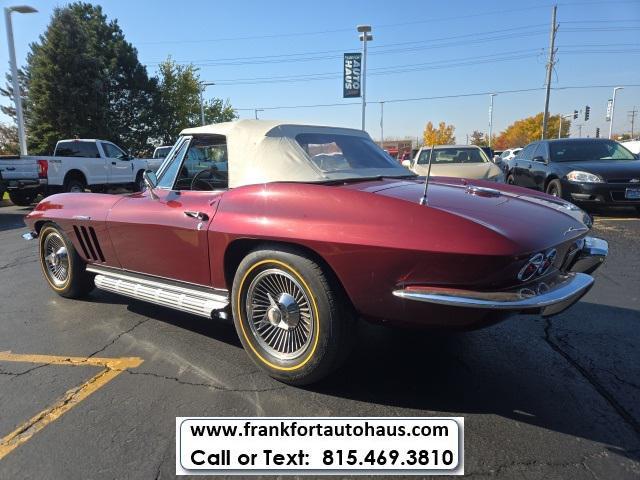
509,154
633,146
462,161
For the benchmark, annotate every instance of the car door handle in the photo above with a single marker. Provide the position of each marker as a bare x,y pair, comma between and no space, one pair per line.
199,215
113,163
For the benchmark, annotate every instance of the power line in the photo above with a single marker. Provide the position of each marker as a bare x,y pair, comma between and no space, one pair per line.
323,32
406,68
382,49
440,97
516,32
393,68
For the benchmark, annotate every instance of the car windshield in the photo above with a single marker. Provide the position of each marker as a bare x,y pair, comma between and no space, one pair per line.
584,150
354,155
452,155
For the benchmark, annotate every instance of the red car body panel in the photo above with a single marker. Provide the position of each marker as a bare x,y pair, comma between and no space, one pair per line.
373,235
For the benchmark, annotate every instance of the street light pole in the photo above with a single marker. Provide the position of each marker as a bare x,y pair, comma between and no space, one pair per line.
365,37
491,117
382,124
203,86
569,115
613,109
14,72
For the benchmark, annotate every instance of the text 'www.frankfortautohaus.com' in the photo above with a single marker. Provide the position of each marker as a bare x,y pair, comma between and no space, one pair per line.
293,429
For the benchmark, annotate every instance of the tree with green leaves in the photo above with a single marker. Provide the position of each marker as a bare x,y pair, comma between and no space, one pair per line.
84,79
180,101
8,140
7,91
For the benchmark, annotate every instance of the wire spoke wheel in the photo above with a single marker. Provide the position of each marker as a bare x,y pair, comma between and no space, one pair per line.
56,259
280,314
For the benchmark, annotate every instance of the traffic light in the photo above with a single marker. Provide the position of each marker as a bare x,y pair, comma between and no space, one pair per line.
575,114
587,109
597,132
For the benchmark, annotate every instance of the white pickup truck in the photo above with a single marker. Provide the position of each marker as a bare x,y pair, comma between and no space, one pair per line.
76,165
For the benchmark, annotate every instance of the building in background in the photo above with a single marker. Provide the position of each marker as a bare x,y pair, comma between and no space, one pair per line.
398,148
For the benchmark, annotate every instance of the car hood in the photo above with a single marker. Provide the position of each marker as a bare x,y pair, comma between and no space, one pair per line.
520,215
482,171
610,170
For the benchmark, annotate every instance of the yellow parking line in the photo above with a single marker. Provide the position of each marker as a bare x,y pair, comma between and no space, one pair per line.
112,367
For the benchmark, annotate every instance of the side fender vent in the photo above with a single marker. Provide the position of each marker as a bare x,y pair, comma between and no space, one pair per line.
89,243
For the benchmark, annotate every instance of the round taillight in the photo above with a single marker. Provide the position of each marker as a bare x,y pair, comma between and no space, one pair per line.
549,258
531,267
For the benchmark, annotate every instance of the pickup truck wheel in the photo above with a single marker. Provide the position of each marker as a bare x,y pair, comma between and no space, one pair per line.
74,185
291,320
139,185
22,199
63,268
555,188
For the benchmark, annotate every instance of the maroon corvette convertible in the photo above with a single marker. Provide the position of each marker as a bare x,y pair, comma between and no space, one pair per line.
297,230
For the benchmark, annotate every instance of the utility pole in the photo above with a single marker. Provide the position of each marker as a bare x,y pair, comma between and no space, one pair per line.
491,117
632,115
256,110
579,130
552,41
365,37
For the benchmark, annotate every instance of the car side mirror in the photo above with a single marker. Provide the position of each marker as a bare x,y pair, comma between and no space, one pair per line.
406,163
539,159
150,180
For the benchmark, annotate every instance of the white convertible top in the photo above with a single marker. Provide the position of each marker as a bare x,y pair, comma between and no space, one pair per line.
262,151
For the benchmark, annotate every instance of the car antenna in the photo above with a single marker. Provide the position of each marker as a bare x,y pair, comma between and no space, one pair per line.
423,200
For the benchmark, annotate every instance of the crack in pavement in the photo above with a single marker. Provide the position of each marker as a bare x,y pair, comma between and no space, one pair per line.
176,379
207,385
28,370
592,379
118,337
19,261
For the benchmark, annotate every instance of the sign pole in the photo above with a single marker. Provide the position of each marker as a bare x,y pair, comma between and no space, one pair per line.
365,37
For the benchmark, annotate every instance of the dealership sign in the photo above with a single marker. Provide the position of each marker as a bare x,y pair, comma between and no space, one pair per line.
352,75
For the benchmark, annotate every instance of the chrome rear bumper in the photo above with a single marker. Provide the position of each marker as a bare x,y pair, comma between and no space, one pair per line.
545,298
593,253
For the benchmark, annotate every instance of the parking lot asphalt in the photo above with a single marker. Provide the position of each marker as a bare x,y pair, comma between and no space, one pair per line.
555,398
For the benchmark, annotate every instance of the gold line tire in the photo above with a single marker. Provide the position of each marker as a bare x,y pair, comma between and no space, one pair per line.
73,281
290,315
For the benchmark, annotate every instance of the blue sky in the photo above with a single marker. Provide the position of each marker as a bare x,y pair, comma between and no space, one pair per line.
420,49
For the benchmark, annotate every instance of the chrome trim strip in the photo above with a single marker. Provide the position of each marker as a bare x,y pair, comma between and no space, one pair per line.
558,297
195,301
110,271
